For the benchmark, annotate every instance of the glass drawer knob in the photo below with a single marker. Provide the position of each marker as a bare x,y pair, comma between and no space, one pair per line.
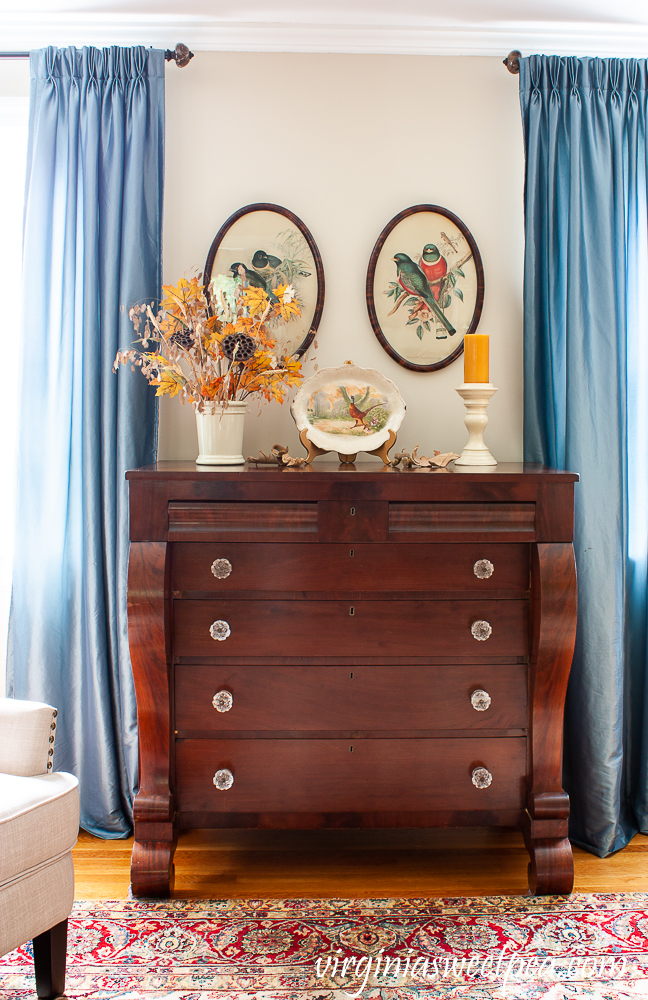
221,568
483,568
480,700
481,778
223,701
481,631
224,779
220,630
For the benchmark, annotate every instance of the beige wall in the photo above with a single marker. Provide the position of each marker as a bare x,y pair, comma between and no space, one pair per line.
346,142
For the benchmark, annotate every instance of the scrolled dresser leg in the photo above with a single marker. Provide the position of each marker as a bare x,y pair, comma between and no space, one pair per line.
551,869
152,868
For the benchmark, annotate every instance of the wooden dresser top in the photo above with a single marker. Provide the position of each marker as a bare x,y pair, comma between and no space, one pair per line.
365,471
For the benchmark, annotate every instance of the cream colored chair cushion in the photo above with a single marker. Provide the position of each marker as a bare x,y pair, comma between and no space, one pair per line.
39,821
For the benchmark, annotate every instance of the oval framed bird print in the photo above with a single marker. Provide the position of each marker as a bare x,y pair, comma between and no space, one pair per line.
271,247
425,287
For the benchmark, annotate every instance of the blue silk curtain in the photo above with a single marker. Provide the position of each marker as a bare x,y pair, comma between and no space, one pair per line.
586,405
92,248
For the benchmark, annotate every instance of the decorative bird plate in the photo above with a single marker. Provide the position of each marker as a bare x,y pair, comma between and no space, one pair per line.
348,410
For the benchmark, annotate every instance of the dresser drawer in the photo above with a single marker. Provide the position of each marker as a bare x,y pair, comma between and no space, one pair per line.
342,776
302,698
339,628
242,521
311,521
357,566
462,521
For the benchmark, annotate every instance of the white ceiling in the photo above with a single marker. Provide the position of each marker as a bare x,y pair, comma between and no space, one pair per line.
451,27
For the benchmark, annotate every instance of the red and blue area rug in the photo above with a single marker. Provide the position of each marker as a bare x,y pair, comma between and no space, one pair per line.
525,948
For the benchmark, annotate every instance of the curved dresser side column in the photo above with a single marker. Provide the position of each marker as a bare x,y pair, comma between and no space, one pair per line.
553,609
155,838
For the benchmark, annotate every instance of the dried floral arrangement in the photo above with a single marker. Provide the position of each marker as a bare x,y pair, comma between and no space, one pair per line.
214,345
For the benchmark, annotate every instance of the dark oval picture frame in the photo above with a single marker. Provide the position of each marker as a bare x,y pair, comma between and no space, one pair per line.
430,268
275,256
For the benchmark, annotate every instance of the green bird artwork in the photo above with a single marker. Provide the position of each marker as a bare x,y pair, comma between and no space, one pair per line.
253,279
412,279
265,263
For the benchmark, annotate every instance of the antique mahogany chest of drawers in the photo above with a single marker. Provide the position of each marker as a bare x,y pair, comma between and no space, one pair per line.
338,646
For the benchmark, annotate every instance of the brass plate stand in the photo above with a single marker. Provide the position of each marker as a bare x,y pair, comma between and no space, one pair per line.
314,451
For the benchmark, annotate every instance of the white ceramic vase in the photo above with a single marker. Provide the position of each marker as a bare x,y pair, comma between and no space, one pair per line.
220,434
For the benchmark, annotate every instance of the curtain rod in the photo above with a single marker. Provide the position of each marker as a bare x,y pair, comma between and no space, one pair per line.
512,61
181,55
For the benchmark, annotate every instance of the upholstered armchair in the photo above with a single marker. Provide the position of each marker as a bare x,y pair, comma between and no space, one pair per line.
39,823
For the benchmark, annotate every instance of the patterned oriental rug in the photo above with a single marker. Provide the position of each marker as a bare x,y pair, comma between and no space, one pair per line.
593,946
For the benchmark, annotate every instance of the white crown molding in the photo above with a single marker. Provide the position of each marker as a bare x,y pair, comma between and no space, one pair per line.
159,31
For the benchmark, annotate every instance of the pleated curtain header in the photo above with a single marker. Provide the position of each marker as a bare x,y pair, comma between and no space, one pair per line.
113,63
557,75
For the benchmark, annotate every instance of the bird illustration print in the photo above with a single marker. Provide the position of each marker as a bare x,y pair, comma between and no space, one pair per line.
265,263
253,278
413,280
434,267
452,244
355,408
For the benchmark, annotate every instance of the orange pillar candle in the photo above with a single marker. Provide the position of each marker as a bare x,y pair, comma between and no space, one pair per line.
476,357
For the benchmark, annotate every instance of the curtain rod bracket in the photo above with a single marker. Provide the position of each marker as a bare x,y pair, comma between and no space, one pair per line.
181,55
512,61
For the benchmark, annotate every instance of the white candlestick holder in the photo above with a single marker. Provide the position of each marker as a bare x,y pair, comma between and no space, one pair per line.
476,397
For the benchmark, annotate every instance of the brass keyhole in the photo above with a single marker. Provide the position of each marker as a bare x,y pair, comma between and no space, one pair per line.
352,511
350,552
350,749
352,611
351,676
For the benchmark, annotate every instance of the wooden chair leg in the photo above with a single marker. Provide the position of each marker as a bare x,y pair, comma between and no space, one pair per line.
50,952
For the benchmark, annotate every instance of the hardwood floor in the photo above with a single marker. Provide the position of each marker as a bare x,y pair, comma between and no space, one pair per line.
242,864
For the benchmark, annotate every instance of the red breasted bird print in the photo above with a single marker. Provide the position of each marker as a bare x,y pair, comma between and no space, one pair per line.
434,267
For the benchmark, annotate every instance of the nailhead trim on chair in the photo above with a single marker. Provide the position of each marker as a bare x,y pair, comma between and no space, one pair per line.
50,752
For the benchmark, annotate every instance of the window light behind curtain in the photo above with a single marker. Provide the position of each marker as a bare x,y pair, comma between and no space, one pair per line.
14,113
